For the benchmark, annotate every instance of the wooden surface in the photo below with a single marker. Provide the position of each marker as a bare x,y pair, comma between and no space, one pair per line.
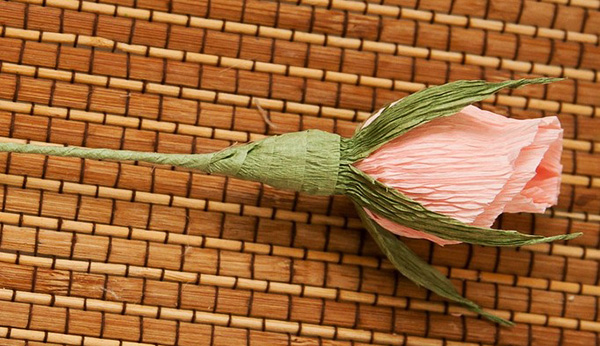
106,253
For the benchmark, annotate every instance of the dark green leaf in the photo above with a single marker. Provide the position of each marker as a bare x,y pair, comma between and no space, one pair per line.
423,106
417,270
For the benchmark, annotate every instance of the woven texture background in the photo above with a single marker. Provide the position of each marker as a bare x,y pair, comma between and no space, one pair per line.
104,253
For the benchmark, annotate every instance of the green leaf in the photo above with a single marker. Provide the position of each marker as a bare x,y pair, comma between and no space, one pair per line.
424,106
417,270
395,206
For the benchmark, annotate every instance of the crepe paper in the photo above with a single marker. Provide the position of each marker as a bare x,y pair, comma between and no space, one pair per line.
417,270
322,163
471,166
306,161
392,204
423,106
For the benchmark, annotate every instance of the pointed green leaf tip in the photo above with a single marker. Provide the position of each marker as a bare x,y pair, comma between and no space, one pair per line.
417,270
424,106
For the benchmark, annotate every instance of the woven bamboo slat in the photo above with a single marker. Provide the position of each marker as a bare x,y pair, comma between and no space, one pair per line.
315,38
101,253
432,17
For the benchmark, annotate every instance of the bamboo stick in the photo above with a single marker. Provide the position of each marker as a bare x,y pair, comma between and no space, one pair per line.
159,236
200,317
230,320
402,12
591,4
39,336
176,201
211,60
327,40
248,247
278,105
271,286
128,121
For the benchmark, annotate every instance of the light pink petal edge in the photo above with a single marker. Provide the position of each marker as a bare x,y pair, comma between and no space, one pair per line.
471,166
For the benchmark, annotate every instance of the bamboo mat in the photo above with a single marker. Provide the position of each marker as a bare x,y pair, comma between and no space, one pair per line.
103,253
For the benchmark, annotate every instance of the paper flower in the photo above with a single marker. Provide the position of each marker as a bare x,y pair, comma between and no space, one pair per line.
520,173
471,166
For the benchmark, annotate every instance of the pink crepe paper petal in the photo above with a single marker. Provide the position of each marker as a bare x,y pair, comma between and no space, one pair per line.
471,166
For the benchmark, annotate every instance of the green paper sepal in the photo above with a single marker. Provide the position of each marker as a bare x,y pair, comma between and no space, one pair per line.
417,270
423,106
397,207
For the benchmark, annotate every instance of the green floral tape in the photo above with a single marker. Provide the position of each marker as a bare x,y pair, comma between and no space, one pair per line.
306,161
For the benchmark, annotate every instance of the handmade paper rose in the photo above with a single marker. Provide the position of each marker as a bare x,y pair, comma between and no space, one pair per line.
427,166
471,166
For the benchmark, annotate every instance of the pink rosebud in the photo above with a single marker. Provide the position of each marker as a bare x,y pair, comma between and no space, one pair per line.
471,166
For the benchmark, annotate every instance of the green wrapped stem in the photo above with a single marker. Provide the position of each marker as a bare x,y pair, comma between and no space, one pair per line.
306,161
